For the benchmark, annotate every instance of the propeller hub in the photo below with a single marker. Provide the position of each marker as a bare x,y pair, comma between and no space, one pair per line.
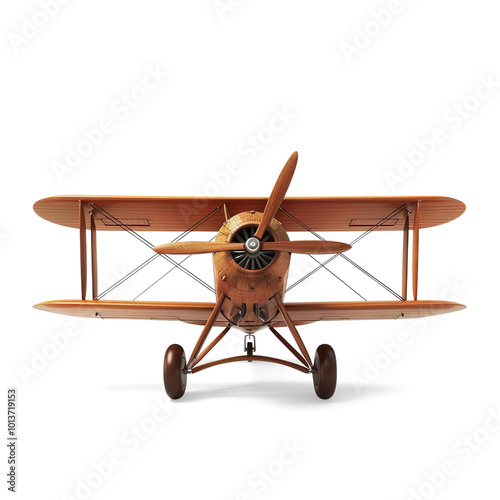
251,256
252,245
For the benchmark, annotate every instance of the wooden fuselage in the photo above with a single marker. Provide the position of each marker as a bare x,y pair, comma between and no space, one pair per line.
249,303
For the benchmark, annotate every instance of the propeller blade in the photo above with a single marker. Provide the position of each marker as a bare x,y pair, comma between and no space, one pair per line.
194,247
277,195
307,246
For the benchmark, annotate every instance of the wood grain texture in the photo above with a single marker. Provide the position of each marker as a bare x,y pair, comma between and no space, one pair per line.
391,309
244,285
307,246
277,195
199,312
297,246
83,249
128,309
162,213
197,247
416,227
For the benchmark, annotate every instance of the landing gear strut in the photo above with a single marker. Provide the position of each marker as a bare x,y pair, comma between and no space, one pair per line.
324,368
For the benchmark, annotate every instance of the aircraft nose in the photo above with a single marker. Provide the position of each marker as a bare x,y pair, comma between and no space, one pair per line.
252,245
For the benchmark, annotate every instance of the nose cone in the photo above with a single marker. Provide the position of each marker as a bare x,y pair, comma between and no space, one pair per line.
252,245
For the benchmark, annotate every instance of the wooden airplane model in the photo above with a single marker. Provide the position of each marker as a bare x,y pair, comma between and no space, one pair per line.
251,257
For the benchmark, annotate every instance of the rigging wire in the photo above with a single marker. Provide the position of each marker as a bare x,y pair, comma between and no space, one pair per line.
360,237
341,280
168,272
150,245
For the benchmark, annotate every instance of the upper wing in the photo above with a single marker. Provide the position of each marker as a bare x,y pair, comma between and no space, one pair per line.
391,309
178,213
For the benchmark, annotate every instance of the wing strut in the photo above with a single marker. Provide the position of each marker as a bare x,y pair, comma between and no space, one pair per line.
83,250
93,249
406,237
416,224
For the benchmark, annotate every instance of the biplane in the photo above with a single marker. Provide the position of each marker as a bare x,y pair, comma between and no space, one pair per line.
251,258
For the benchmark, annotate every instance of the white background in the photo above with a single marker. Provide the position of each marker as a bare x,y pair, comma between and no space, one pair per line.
354,117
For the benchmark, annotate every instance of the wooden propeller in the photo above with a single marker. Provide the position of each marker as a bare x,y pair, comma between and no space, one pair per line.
305,247
256,245
277,195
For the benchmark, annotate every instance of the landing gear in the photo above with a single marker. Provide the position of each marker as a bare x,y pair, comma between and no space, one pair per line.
249,345
325,371
324,368
174,371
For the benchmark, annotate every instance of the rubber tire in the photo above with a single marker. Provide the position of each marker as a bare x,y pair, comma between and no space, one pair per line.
325,378
174,377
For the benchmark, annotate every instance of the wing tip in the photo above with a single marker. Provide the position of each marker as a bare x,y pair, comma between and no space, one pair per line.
49,306
40,305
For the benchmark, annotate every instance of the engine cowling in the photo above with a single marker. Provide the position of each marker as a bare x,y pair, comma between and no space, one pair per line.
249,278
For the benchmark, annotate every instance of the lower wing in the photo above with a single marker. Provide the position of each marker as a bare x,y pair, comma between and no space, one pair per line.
198,312
390,309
